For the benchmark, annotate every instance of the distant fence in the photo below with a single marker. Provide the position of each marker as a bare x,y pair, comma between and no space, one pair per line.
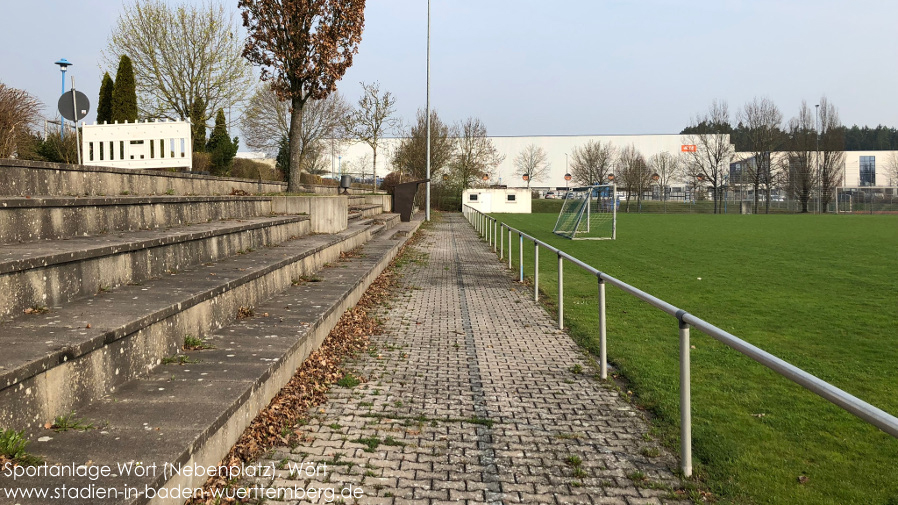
495,232
877,200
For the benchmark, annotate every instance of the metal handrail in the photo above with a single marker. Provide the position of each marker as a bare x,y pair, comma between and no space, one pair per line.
490,228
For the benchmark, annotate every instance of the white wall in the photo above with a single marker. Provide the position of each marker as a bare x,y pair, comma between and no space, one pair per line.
138,145
884,177
508,201
556,146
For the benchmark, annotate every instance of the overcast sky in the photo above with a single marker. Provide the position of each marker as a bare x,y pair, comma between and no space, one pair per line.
553,68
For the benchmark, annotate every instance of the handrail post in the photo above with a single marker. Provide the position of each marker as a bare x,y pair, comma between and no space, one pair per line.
685,403
509,248
490,227
502,242
521,256
603,347
535,271
495,232
560,292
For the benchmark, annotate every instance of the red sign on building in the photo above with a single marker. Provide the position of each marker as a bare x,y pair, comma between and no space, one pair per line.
687,148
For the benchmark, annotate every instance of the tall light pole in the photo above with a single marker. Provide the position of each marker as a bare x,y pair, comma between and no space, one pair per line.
63,65
427,112
817,152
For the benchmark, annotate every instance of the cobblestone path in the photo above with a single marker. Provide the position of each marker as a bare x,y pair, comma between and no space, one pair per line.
473,396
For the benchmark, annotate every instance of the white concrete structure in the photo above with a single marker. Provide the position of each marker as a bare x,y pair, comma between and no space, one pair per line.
501,200
861,169
557,147
140,145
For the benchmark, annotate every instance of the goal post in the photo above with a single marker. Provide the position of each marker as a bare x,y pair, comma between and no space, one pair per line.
588,213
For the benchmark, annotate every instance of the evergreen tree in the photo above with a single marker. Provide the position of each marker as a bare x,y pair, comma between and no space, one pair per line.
104,104
282,162
124,93
220,147
198,124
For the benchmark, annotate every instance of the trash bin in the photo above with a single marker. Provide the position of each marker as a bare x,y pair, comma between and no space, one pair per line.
345,183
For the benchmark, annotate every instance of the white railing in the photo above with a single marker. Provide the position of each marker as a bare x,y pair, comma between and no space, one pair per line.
494,232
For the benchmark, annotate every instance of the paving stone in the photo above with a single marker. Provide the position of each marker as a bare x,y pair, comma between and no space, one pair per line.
471,397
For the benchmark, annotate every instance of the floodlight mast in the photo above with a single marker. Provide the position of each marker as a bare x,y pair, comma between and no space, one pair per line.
427,112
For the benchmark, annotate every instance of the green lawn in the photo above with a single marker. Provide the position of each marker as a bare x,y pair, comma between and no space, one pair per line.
818,291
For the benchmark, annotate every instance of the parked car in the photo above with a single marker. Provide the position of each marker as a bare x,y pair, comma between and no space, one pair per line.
550,195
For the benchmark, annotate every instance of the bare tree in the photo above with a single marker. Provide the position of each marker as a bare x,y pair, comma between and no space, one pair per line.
410,158
532,162
19,117
892,168
591,163
181,54
832,152
266,121
634,173
761,120
802,174
372,119
667,167
304,48
711,157
475,154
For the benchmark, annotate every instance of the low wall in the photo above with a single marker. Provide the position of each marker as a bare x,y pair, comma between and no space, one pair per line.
28,178
320,189
328,214
385,201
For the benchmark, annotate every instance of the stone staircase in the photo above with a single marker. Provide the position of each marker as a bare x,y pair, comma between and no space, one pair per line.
99,297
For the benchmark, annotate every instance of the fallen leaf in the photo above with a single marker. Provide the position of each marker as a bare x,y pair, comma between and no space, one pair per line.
88,326
803,479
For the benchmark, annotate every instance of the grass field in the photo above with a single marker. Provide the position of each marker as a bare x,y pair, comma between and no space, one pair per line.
818,291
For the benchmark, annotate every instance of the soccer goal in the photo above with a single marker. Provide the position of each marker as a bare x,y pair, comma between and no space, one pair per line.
588,213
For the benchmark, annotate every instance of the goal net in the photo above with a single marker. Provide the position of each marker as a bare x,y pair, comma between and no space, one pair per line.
588,213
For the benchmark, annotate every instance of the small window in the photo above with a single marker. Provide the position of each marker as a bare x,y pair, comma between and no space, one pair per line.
472,198
868,170
510,198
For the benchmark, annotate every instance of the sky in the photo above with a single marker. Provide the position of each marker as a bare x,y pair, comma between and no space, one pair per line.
564,67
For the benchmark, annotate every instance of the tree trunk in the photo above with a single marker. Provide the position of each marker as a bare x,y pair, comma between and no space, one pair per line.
294,186
374,170
756,186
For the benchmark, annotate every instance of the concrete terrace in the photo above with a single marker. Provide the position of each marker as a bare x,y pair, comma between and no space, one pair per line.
472,395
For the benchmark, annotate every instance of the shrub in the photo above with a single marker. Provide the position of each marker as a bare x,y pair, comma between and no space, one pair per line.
252,169
202,162
390,181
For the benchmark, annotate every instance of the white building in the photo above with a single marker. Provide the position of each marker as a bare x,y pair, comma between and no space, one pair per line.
501,200
861,167
140,145
558,149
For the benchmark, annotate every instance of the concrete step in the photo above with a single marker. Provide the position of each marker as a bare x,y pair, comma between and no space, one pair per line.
191,415
32,178
54,218
58,361
51,273
365,210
